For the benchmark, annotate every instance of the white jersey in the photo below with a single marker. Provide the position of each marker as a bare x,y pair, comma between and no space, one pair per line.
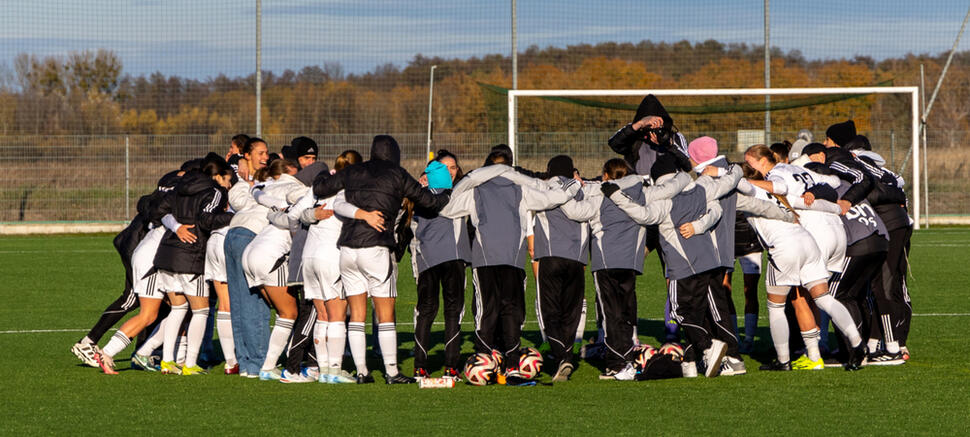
261,259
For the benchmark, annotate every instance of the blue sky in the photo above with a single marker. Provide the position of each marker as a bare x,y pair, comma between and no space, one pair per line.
202,38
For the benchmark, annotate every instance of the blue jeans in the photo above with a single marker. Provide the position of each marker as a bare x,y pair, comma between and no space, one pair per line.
250,314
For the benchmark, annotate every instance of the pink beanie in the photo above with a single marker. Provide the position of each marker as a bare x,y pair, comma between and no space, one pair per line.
702,149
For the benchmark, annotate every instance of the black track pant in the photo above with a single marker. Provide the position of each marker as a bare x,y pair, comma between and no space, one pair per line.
721,315
888,292
903,269
499,310
616,300
449,277
690,301
851,288
560,289
125,243
302,337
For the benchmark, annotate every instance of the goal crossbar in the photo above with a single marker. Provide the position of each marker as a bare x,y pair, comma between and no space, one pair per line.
911,90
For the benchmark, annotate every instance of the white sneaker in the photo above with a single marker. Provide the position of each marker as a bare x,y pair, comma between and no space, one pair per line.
270,375
732,366
294,378
340,376
689,369
311,372
629,373
85,352
712,358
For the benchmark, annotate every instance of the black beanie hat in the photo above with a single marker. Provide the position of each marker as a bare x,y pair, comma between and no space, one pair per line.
560,165
841,133
302,146
665,164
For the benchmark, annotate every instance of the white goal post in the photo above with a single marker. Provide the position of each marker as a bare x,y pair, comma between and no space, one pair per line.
911,90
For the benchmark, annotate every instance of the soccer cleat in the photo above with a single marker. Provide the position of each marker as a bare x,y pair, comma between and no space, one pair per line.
857,357
746,346
339,376
270,375
366,378
886,359
562,374
400,378
312,372
515,379
452,373
688,369
776,366
86,352
731,366
194,370
170,368
295,378
712,358
804,363
141,362
627,373
421,372
105,362
234,370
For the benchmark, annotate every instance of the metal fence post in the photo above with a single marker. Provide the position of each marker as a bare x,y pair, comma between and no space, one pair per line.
127,181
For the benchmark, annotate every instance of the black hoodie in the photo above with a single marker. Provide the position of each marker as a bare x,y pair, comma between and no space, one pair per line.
377,184
638,152
197,200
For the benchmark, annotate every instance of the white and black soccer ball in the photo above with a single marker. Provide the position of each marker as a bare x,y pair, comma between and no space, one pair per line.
675,350
480,369
530,363
644,352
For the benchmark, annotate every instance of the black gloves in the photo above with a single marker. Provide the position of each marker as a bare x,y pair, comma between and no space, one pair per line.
608,188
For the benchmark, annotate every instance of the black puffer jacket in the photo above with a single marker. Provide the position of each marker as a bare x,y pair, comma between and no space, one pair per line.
378,184
197,200
844,165
886,197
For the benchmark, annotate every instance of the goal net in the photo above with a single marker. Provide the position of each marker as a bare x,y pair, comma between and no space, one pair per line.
579,123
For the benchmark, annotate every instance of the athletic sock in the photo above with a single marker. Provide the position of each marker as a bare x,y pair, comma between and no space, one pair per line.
750,326
873,344
224,326
118,343
320,344
336,341
277,342
172,327
387,337
86,340
183,348
841,317
196,332
811,344
157,339
358,345
778,324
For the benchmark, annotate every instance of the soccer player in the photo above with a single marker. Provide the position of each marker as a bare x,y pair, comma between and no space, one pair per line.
198,202
367,268
440,252
250,314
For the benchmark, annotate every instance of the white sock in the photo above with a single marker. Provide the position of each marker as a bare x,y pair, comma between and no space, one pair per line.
336,340
358,345
387,336
890,342
153,342
750,326
196,332
118,343
277,342
811,344
581,327
840,316
892,347
183,349
320,344
873,344
224,327
171,334
778,324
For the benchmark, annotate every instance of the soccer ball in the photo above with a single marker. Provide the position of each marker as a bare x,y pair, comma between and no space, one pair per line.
530,363
498,358
675,350
643,354
480,369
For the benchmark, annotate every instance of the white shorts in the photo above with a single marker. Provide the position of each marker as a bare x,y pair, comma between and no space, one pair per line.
750,263
215,258
189,284
797,263
321,278
143,262
264,267
829,234
370,270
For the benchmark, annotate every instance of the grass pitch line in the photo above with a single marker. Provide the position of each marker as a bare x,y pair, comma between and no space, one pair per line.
527,322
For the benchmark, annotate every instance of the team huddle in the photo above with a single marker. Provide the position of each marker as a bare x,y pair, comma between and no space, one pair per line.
255,231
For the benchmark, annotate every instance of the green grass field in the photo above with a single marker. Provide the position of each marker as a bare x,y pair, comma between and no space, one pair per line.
56,286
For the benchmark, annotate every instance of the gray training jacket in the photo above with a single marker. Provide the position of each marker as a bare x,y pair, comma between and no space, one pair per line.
617,241
498,200
696,204
557,234
437,240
